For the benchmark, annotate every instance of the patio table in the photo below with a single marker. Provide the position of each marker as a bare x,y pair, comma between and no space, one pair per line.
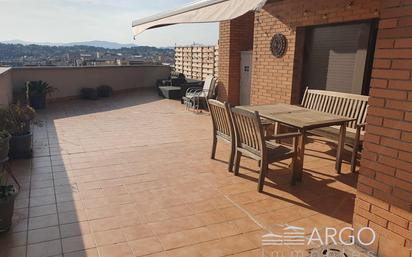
304,120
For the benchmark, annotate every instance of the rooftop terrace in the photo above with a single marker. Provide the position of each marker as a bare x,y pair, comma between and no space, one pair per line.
132,176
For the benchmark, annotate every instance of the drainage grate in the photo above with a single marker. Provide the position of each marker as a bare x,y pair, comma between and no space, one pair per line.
340,251
329,251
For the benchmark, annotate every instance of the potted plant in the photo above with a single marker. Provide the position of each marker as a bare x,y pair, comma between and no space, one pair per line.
104,91
7,196
20,118
7,191
4,135
89,93
36,93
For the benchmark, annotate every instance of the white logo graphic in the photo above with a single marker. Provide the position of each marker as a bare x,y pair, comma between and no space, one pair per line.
292,235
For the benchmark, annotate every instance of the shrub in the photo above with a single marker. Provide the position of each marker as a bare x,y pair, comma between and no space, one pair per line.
4,134
36,93
4,118
20,118
39,87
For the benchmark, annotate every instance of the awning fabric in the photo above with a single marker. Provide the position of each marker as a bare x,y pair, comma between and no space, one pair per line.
199,12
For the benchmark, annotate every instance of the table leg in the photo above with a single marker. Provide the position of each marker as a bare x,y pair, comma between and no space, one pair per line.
298,165
341,147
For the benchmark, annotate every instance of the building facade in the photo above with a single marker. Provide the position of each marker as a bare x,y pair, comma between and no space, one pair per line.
379,64
197,62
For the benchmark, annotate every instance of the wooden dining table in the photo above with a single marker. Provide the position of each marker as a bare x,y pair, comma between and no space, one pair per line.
303,120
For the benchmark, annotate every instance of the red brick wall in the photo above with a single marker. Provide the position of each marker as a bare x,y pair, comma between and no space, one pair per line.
385,181
384,199
278,79
235,36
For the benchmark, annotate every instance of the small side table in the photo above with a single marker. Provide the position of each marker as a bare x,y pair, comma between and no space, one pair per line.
5,167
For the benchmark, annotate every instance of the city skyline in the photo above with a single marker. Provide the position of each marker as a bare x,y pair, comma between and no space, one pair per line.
104,20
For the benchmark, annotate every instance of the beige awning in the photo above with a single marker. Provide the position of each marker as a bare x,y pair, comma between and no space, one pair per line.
199,12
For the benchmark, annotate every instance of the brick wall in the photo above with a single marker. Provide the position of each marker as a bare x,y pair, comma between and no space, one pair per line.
278,79
385,182
235,36
384,199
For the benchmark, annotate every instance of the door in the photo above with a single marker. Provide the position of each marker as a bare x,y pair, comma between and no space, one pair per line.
245,77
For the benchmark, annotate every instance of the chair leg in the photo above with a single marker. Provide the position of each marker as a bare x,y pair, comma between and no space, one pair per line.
354,157
277,131
238,156
292,165
355,150
214,144
232,157
262,175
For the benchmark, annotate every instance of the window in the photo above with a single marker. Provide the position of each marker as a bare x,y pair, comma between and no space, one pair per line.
339,57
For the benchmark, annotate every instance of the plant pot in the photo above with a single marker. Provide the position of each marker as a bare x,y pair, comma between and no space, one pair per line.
6,212
4,148
21,146
104,91
38,101
89,93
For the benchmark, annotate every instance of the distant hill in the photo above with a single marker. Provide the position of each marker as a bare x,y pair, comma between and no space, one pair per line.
103,44
94,43
65,55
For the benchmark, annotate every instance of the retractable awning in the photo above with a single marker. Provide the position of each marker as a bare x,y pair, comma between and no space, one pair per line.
199,12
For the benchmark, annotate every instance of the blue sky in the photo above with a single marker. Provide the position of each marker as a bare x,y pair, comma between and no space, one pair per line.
60,21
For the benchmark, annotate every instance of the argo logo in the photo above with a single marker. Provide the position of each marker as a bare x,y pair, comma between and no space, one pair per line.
291,235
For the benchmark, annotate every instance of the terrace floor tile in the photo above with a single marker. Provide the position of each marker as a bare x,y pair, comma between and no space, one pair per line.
131,175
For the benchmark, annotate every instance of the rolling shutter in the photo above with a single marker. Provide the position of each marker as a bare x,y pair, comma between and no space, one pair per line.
335,57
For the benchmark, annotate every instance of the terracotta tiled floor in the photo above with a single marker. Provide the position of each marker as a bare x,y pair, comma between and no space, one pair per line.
131,176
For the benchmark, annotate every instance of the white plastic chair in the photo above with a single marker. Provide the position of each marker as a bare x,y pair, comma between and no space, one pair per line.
195,95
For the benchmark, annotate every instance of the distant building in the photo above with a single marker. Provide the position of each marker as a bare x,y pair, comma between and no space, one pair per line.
197,62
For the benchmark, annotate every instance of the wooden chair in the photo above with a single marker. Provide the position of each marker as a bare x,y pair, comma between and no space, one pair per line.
222,128
250,141
343,104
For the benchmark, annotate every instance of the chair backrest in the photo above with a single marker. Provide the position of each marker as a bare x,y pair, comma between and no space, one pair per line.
222,120
209,86
249,131
343,104
177,75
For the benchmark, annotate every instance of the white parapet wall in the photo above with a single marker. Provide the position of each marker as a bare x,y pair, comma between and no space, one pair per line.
70,80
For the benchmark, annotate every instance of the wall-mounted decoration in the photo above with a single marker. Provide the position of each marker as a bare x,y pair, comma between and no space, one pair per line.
279,45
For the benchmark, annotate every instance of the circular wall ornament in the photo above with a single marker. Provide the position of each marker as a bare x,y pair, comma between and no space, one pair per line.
278,45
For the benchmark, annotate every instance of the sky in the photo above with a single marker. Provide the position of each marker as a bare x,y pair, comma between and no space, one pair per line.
63,21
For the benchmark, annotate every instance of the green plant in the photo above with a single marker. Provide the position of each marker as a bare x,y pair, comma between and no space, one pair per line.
6,190
39,87
20,118
4,118
4,134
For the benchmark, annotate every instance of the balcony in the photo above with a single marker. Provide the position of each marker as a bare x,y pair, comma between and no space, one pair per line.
132,176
